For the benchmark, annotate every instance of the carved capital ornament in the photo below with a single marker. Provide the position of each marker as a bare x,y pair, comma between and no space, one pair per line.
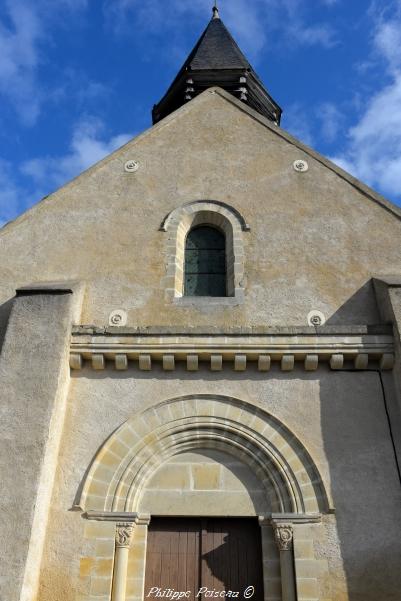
124,535
283,534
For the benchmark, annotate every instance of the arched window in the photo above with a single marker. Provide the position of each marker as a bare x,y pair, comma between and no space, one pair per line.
182,282
205,262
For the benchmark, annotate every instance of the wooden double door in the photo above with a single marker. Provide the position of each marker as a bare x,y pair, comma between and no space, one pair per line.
206,558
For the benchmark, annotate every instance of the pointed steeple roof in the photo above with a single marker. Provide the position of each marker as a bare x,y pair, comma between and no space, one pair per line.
216,60
216,49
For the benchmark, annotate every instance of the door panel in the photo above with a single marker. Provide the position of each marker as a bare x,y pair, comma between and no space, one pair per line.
203,558
172,556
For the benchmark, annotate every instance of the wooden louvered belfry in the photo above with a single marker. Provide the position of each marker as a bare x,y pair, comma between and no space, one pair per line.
216,60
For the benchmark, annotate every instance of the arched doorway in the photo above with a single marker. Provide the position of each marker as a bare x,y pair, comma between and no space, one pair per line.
204,456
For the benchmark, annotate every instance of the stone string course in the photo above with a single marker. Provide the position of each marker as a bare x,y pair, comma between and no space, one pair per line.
359,348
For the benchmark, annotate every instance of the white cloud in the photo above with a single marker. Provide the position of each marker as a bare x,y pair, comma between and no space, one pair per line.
20,188
374,149
295,123
22,35
318,35
331,121
373,152
388,42
250,22
19,58
87,147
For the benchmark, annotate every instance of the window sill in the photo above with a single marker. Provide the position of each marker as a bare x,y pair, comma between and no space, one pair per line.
206,301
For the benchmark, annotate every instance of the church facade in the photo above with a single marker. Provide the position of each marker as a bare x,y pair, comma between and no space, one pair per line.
200,365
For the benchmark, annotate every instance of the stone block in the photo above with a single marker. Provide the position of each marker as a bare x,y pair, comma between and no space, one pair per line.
105,548
76,361
216,362
311,362
337,361
240,363
98,361
192,362
99,488
264,362
306,568
307,589
100,586
169,477
86,566
361,361
168,362
287,363
121,362
95,529
137,554
104,568
117,447
387,361
145,362
304,549
206,477
134,588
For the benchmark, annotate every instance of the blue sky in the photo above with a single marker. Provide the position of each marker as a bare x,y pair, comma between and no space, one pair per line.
78,78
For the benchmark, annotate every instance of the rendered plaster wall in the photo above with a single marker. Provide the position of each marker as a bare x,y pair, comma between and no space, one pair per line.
339,416
315,240
388,294
34,383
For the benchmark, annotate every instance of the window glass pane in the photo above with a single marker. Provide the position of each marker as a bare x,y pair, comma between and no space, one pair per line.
206,237
205,285
205,263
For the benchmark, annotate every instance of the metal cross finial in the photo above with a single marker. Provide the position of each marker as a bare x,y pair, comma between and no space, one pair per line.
215,11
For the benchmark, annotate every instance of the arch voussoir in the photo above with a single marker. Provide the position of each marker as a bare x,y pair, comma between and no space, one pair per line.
290,478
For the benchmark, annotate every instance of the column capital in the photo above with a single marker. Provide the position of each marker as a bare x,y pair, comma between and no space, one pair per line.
124,533
284,534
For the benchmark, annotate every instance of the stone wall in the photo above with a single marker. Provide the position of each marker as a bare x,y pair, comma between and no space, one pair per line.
339,417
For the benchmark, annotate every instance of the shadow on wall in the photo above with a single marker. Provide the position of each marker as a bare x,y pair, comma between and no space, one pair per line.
365,485
360,308
5,311
231,557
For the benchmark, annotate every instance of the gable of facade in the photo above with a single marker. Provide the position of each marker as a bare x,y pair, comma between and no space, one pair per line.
150,433
304,228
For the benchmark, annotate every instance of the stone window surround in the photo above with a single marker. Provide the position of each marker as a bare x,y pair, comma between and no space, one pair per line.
177,225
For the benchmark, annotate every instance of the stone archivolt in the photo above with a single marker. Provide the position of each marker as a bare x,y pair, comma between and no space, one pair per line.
128,459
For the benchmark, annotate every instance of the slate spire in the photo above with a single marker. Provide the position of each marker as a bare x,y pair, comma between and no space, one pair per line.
216,60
